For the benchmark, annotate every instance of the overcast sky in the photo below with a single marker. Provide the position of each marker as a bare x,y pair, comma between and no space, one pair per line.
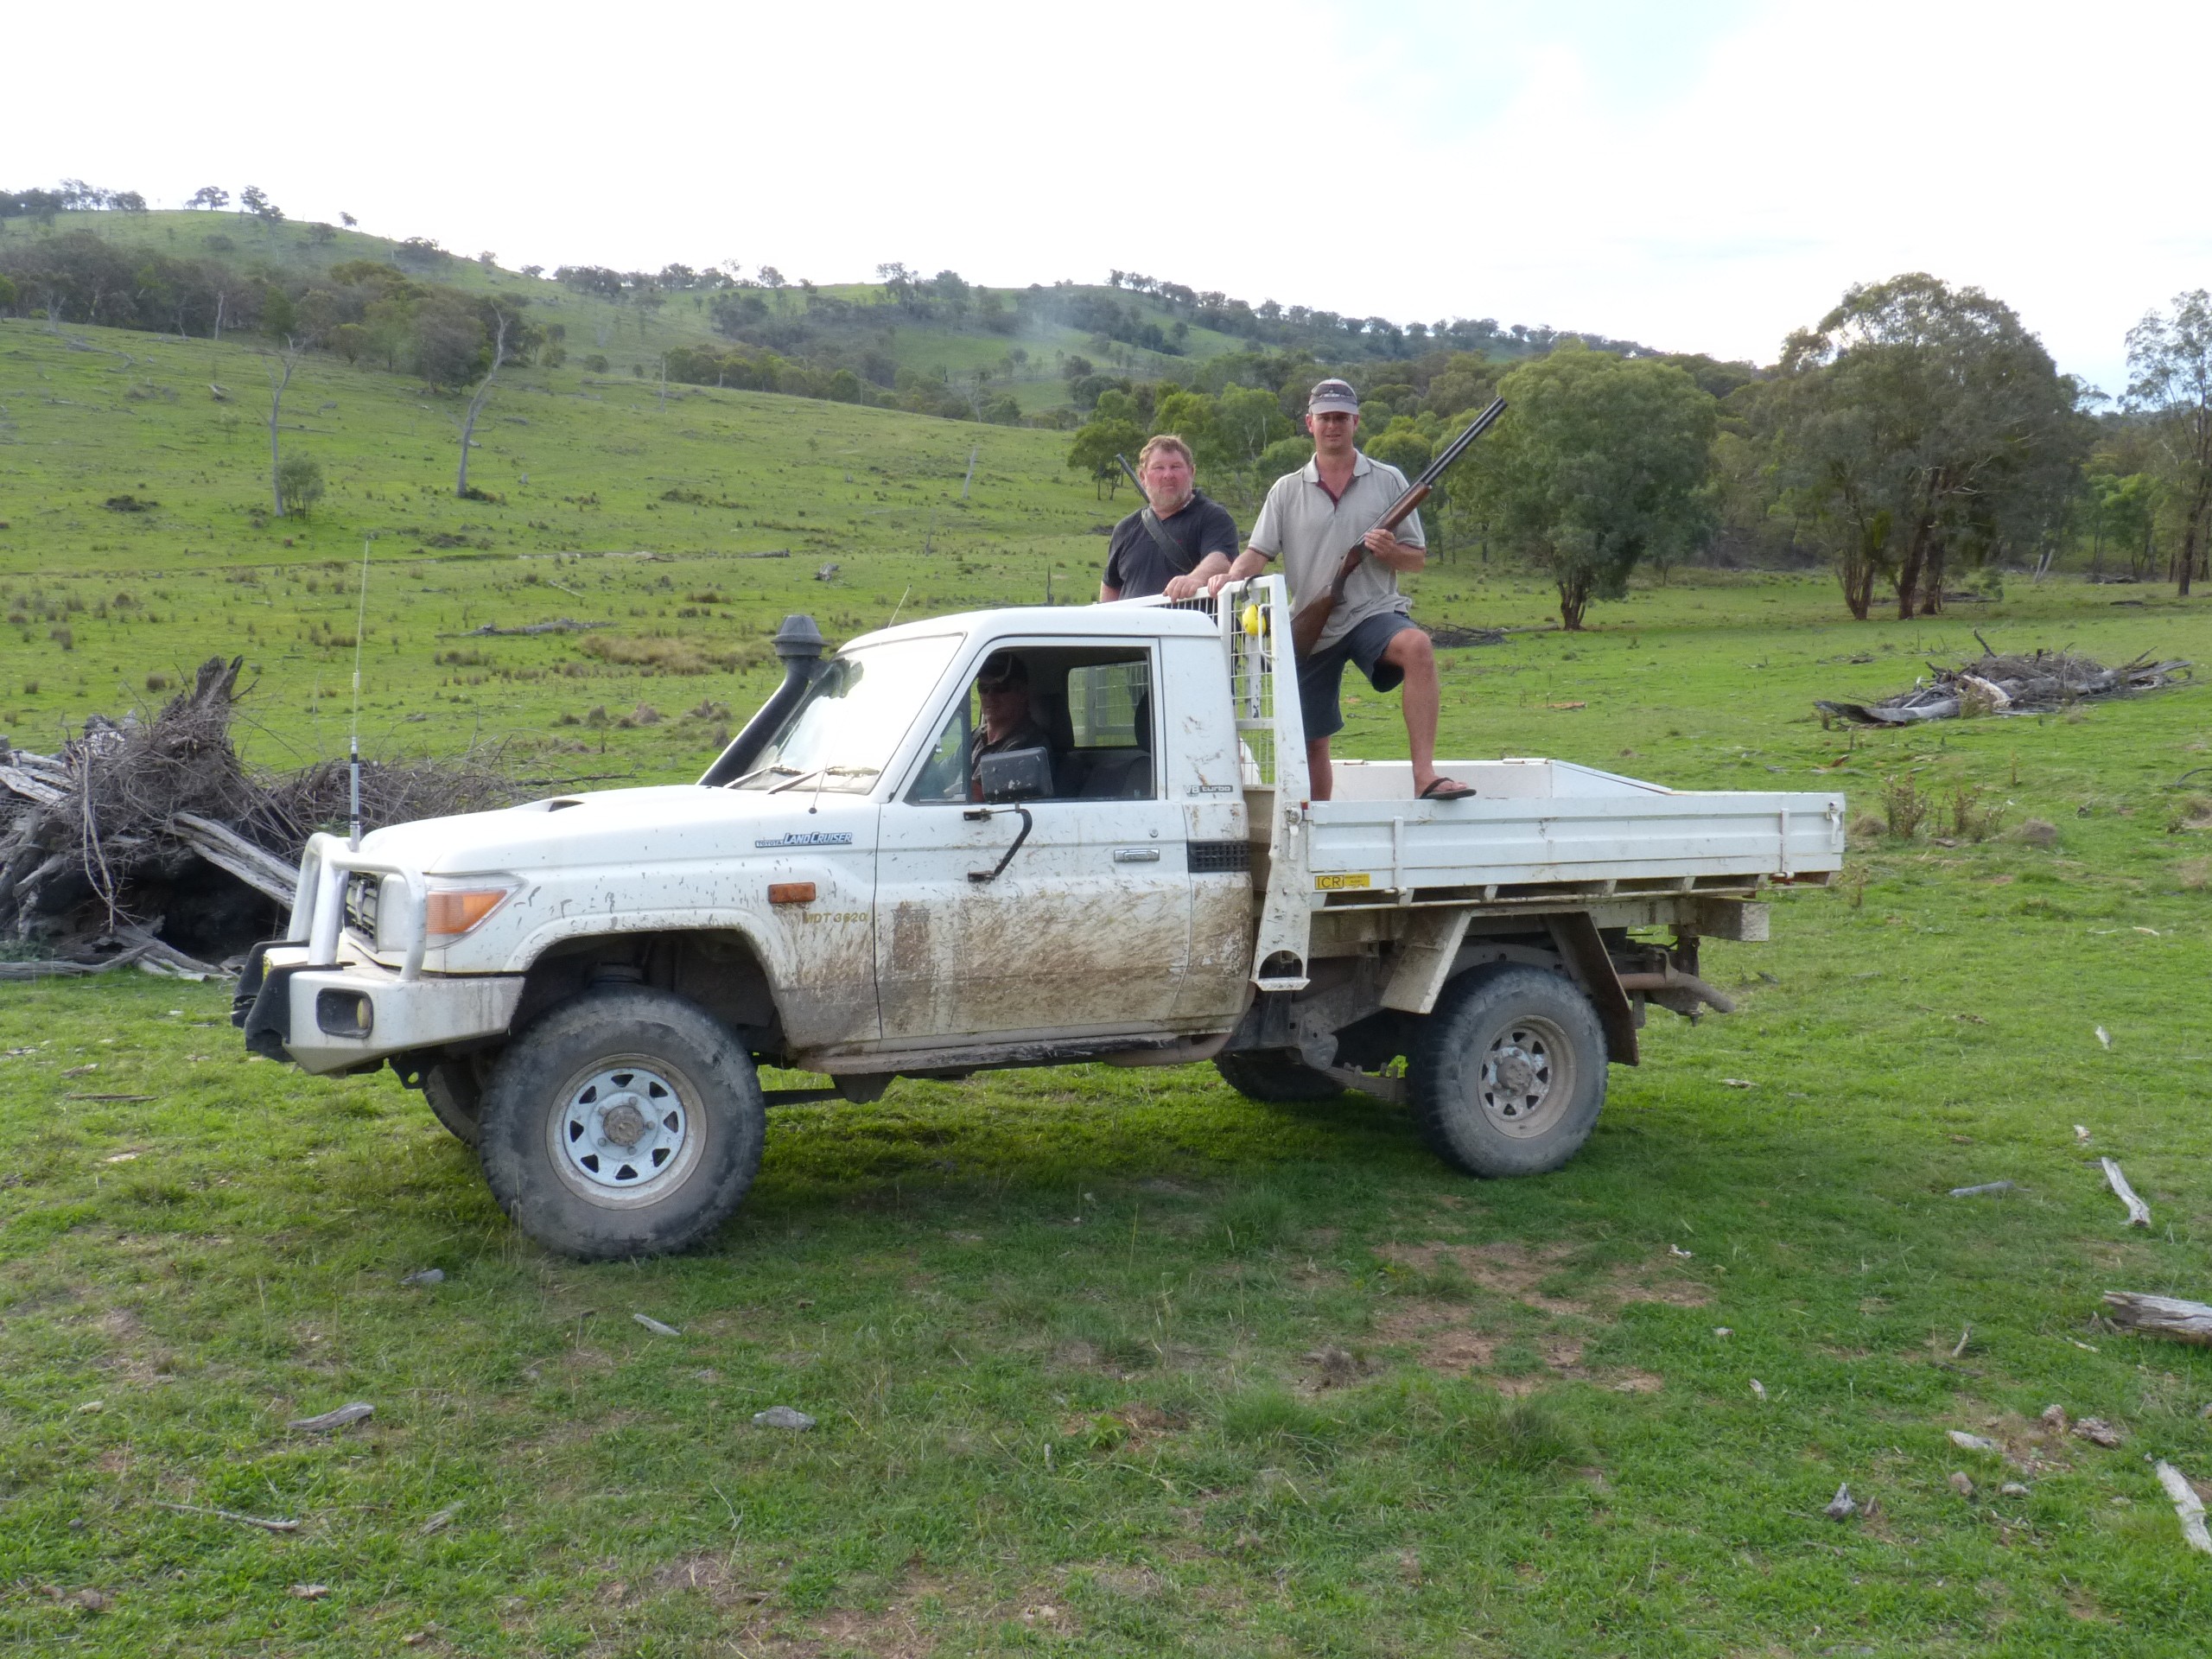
1701,175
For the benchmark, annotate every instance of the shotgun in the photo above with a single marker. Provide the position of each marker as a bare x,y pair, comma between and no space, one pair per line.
1307,621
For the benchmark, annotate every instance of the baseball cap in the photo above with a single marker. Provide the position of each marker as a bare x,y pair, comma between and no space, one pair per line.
1330,395
1001,670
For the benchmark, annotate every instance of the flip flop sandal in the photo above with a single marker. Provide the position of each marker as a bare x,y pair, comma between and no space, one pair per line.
1447,789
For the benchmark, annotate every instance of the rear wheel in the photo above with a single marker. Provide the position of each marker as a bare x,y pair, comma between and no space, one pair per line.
626,1122
1275,1079
1508,1075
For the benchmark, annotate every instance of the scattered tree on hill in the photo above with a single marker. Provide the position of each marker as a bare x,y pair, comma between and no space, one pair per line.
448,340
40,204
2169,381
1917,419
476,403
1188,415
898,283
347,221
299,483
210,196
280,367
255,201
1601,461
1096,447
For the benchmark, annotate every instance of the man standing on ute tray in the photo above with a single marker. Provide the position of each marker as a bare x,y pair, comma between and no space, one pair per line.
1310,519
1176,542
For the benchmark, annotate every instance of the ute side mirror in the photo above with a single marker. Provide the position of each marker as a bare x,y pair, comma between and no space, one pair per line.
1016,775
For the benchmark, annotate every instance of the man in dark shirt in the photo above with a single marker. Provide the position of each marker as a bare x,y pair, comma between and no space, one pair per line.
1002,687
1177,541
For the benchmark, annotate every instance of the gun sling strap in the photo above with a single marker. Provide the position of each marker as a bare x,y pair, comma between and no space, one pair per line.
1168,548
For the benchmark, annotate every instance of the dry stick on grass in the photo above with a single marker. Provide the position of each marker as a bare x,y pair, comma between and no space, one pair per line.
2160,1316
2189,1508
262,1521
2138,1213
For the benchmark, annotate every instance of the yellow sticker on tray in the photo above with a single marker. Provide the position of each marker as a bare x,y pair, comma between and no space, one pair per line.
1337,883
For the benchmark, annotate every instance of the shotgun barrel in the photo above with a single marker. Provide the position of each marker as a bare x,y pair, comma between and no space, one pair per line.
1311,618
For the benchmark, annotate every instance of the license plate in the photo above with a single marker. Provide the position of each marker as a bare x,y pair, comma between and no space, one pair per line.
1338,883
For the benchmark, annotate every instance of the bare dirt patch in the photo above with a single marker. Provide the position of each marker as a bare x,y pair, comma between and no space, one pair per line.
1439,1334
922,1618
1531,1275
1443,1340
714,1576
139,1358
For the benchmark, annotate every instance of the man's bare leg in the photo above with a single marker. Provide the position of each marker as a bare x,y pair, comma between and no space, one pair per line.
1321,778
1410,651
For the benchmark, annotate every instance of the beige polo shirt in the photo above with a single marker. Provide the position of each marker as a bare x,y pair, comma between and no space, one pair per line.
1310,532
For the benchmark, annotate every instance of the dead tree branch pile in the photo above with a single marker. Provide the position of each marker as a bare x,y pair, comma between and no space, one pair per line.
151,842
2039,683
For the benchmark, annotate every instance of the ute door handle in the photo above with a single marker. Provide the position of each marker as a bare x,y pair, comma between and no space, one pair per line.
1136,855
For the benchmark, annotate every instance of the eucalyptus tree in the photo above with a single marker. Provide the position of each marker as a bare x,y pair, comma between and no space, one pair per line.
2169,381
1916,421
1600,463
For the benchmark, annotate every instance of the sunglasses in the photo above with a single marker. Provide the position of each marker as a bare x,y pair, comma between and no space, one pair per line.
993,688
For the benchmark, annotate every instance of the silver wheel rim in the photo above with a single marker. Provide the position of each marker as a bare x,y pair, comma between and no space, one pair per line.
1526,1078
626,1132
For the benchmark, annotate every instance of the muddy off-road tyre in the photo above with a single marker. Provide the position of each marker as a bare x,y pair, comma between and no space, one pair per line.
1274,1078
1507,1074
456,1098
625,1123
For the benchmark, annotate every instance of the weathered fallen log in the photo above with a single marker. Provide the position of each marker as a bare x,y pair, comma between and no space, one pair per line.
226,850
2138,1213
2160,1316
31,788
558,624
2189,1508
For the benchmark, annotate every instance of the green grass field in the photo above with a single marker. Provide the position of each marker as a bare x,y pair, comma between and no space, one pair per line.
1104,1362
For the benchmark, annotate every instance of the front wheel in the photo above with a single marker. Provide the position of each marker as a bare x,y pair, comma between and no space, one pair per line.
626,1122
1274,1078
1508,1075
456,1097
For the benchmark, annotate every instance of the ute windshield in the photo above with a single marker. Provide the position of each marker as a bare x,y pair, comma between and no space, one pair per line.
842,733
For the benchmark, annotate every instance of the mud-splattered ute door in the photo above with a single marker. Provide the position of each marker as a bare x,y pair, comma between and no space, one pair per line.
1087,928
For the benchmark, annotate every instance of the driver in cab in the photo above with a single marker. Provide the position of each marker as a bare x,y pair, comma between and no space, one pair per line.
1002,687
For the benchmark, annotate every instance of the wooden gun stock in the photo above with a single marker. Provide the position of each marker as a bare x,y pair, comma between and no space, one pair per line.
1308,622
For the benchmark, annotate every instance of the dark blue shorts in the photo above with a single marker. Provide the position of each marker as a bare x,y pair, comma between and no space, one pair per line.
1321,675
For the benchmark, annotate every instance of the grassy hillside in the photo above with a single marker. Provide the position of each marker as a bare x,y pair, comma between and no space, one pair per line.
632,338
610,506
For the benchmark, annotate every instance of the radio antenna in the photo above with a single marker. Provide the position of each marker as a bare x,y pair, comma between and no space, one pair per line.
353,738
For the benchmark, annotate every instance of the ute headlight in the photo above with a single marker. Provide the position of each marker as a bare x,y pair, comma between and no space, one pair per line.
461,908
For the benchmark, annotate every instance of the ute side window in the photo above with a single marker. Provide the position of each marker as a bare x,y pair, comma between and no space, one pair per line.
1088,707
